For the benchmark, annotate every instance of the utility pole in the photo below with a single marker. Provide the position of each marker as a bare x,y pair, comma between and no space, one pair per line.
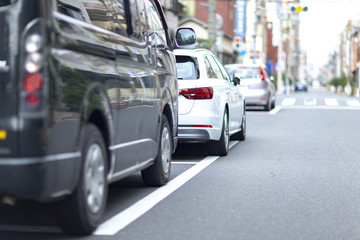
279,60
255,31
280,63
212,24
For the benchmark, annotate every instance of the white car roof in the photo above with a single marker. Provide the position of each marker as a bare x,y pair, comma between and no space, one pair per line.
192,52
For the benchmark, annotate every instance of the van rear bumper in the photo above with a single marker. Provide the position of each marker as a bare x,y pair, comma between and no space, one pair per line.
40,179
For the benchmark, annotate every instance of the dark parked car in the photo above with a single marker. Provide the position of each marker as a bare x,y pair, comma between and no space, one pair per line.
300,86
88,95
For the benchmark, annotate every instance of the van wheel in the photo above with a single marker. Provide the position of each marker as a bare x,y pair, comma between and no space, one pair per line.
81,213
159,173
221,147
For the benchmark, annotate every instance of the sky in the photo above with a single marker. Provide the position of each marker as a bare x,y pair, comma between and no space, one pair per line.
322,24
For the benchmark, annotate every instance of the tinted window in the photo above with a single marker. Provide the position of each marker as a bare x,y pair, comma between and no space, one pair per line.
71,12
110,14
186,68
6,2
155,23
138,19
99,13
120,17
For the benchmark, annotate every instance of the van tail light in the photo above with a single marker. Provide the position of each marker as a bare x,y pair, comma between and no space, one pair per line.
33,99
262,74
33,66
197,93
32,84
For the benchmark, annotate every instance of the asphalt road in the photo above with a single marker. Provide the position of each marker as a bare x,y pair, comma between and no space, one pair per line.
296,176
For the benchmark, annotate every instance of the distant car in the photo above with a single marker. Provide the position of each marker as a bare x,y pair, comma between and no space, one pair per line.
301,86
258,89
211,106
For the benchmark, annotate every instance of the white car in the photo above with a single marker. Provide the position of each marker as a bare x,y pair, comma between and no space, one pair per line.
211,105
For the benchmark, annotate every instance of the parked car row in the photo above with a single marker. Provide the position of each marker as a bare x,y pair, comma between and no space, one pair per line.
93,91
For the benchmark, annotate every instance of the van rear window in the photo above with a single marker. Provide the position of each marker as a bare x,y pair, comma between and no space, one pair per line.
4,3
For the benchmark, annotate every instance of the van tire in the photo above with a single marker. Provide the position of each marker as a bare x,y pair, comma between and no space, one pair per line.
81,212
158,174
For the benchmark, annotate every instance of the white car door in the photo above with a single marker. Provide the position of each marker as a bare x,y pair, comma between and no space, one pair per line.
233,96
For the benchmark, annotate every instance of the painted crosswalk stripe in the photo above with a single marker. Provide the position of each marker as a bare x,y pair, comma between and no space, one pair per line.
310,102
353,103
288,101
331,102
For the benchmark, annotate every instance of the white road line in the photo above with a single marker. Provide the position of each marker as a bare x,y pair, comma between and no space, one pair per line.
353,103
184,162
232,143
310,102
275,110
331,102
323,107
124,218
288,101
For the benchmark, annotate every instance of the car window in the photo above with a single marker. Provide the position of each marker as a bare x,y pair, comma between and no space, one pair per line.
71,12
111,15
6,2
120,17
223,70
245,72
186,68
215,67
155,23
138,19
209,69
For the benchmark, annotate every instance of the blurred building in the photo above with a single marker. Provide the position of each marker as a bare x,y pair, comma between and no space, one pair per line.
196,15
173,11
345,60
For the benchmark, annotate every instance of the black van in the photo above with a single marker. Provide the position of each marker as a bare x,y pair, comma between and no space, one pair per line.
88,95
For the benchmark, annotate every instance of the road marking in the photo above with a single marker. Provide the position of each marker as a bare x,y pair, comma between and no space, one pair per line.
323,107
310,102
353,103
124,218
184,162
288,101
331,102
275,110
232,143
